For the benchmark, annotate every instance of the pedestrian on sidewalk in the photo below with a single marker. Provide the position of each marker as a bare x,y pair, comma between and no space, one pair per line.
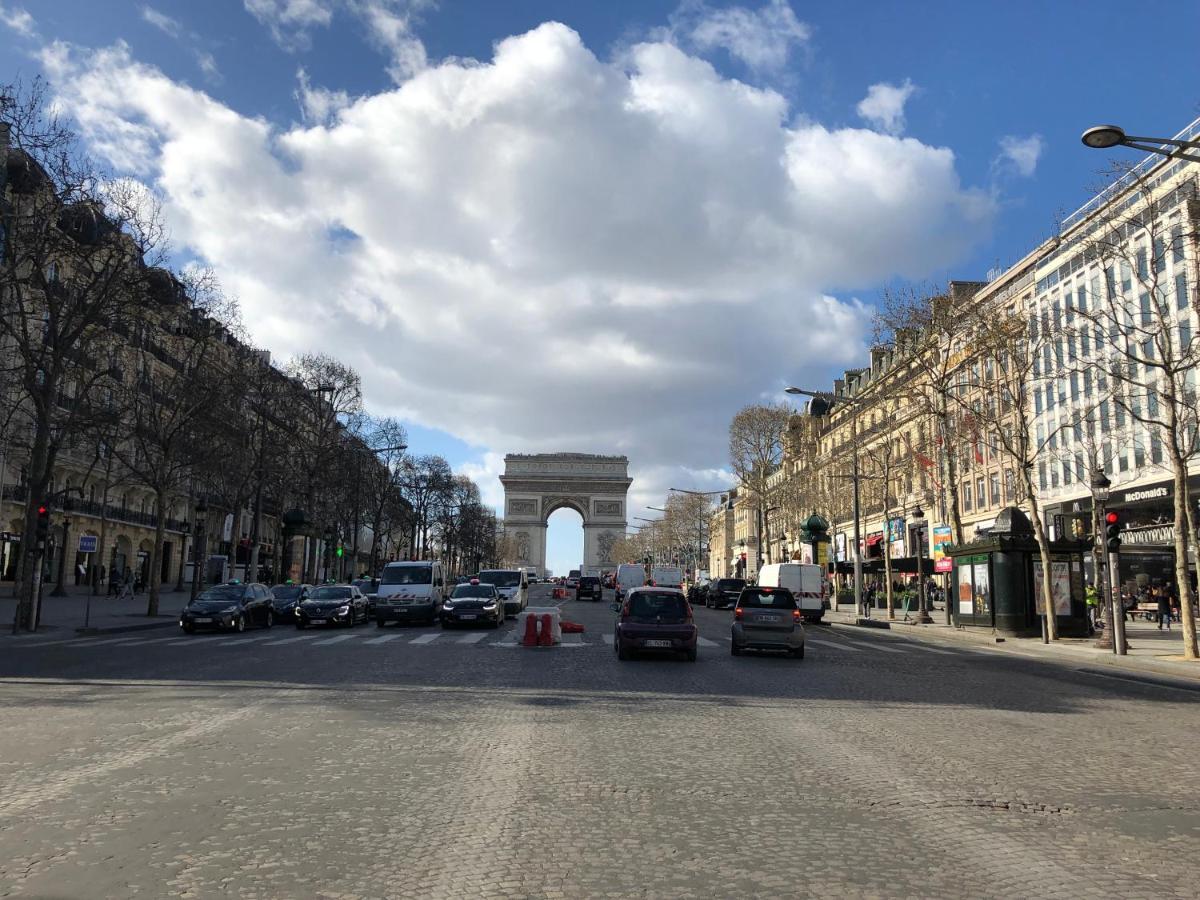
1164,608
114,582
126,592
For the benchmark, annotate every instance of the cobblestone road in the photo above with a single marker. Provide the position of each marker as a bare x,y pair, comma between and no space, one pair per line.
281,764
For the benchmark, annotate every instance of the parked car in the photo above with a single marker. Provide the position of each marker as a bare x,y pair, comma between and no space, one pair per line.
229,607
332,604
472,604
698,592
767,618
654,619
589,588
724,592
286,597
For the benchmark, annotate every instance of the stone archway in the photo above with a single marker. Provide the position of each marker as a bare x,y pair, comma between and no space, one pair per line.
535,485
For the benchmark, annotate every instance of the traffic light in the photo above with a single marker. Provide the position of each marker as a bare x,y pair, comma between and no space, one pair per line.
43,523
1112,531
340,551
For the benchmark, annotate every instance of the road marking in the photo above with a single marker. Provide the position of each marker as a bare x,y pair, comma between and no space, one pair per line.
138,642
335,640
837,645
427,638
291,640
607,638
234,643
705,642
384,639
872,644
473,638
107,641
937,650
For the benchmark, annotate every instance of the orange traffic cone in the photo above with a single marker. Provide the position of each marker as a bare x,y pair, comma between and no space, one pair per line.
546,639
531,634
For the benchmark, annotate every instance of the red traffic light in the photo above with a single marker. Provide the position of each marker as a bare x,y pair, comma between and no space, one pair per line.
1112,518
43,511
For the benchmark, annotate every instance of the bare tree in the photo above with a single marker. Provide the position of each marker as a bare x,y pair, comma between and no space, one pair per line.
175,373
71,280
756,443
927,328
1141,318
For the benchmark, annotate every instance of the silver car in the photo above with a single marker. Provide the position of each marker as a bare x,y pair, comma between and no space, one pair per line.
767,618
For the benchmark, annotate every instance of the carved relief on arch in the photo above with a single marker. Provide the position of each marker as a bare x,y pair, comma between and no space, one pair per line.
550,504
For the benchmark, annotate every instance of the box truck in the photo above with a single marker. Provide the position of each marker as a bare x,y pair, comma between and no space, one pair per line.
806,582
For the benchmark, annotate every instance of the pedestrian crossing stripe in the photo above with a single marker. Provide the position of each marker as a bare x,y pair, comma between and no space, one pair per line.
426,638
334,640
836,645
380,640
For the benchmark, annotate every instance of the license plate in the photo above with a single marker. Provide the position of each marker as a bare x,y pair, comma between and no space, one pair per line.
468,616
656,643
199,621
316,621
766,618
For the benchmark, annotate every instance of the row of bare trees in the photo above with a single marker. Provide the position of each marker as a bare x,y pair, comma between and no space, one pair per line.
116,370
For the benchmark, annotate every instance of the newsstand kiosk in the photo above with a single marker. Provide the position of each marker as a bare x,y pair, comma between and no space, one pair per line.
997,581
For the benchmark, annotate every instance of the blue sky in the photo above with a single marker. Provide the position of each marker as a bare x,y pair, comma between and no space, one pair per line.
971,78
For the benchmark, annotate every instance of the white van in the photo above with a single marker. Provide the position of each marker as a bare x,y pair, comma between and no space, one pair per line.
805,581
667,576
410,591
512,585
629,576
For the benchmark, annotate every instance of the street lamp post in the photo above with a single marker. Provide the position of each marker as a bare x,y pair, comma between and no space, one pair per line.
1100,485
198,547
832,399
184,530
923,617
60,589
1104,137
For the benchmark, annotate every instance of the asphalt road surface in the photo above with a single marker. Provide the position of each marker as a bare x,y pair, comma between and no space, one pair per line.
412,762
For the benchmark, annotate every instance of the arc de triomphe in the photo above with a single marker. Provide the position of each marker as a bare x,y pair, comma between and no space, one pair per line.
535,485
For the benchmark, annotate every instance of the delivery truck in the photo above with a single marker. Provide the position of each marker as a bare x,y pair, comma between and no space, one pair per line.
806,582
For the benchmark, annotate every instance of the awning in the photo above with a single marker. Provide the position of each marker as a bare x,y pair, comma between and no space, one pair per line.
873,539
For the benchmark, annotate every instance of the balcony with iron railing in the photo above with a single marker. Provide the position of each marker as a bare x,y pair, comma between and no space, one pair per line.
19,493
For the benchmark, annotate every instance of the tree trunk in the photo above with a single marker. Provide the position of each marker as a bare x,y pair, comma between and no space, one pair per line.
1183,525
256,532
160,528
1043,542
40,466
101,554
887,563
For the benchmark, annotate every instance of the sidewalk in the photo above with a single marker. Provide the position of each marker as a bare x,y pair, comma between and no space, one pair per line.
1150,651
66,615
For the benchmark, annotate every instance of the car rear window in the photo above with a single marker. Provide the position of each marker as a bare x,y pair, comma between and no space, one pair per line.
730,584
654,603
778,598
588,579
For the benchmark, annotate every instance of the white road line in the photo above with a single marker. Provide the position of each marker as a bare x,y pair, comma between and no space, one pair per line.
235,642
705,642
138,642
473,638
837,645
107,641
938,650
291,640
427,638
384,639
58,643
607,638
335,640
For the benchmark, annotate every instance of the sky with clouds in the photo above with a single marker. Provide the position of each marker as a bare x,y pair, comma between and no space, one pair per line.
596,227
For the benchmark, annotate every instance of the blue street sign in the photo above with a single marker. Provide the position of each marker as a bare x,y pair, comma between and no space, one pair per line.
88,543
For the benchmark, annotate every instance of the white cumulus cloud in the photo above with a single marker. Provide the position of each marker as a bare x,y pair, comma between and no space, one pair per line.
883,107
18,19
1021,153
546,251
289,21
763,39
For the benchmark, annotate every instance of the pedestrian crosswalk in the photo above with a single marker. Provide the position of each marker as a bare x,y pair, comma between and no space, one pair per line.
819,641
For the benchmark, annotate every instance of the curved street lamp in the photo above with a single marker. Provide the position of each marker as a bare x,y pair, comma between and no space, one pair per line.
1105,137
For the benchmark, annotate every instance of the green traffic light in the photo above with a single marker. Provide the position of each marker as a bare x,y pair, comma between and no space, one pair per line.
339,552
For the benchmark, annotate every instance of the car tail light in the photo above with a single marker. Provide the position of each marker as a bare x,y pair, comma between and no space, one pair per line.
737,612
795,615
625,610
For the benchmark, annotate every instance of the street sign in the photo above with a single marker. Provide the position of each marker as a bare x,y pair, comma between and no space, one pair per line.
88,543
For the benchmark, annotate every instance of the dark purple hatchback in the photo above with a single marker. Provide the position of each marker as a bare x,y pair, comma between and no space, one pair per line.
655,620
